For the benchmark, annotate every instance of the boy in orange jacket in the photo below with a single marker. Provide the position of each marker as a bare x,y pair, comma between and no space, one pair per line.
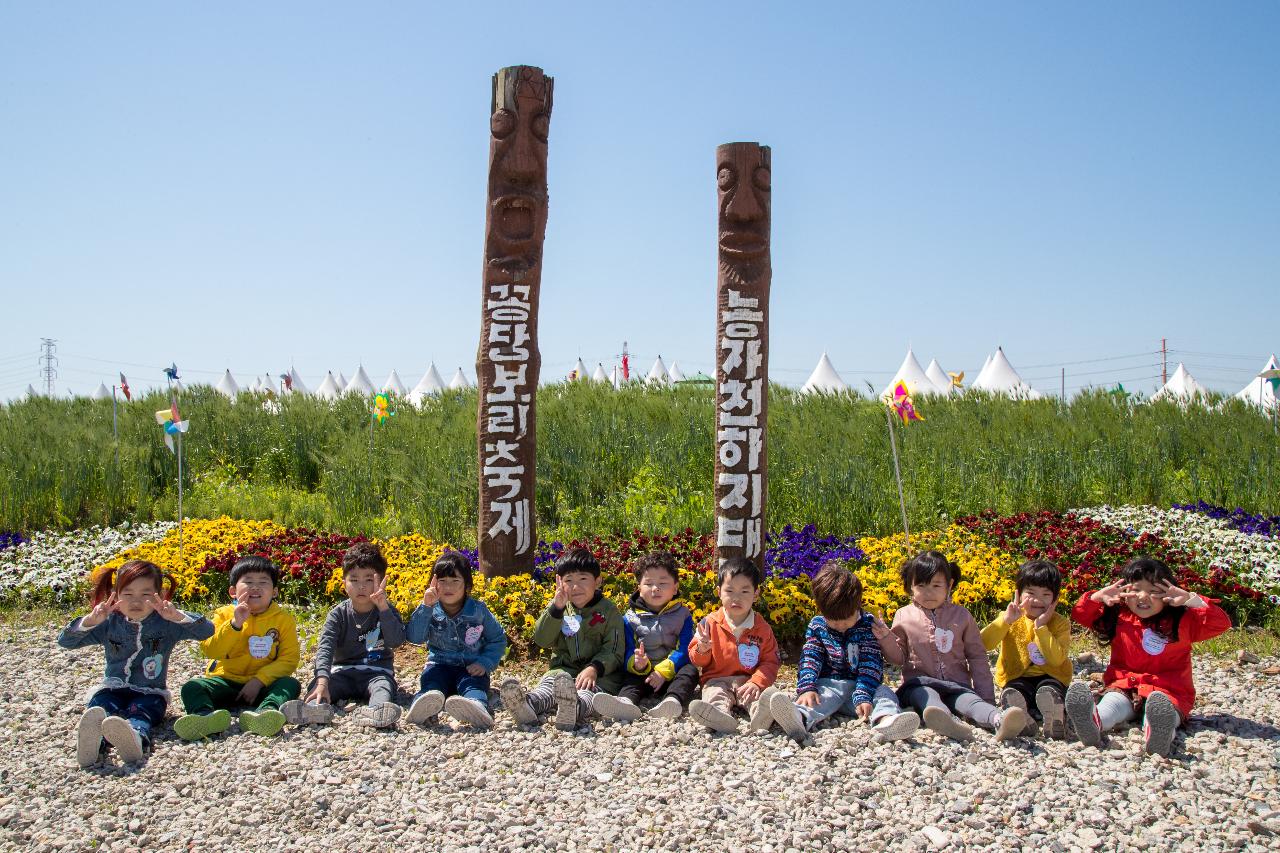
737,653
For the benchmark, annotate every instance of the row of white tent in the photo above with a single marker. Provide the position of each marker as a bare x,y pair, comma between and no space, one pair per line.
999,377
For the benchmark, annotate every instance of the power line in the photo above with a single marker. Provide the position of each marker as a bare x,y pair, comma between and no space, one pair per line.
49,362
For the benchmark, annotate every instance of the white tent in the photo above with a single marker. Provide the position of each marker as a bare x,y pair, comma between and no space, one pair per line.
32,393
393,385
342,382
430,384
613,378
824,379
675,374
1182,386
999,377
1259,392
103,393
918,382
359,383
938,377
658,373
227,386
329,389
981,373
600,375
459,381
298,386
579,373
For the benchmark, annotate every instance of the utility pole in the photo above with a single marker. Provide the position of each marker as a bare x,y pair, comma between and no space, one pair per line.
1164,362
48,363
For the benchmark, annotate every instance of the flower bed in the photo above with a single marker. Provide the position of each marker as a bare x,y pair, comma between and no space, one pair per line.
9,539
1238,519
55,564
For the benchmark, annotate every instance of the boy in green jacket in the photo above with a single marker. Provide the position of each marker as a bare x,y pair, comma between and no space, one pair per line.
583,630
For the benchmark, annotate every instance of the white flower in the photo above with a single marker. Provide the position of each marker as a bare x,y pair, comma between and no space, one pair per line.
59,560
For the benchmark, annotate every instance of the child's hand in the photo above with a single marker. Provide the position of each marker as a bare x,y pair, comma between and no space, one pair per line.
561,599
878,628
1013,612
1111,594
1043,619
703,633
249,693
809,699
863,711
640,660
320,693
166,609
1174,596
100,612
239,615
429,595
476,669
379,595
586,679
655,680
747,692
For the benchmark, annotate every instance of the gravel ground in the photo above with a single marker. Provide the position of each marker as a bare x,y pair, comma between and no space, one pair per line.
648,785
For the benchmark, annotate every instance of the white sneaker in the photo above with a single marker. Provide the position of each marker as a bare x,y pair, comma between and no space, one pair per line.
382,716
425,708
895,727
89,736
668,709
787,714
761,715
470,711
615,707
712,717
516,700
124,738
1013,720
944,723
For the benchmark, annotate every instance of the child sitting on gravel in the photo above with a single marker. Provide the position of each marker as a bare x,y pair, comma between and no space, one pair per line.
1033,669
1150,624
583,630
252,655
136,623
355,655
464,644
737,653
658,631
841,666
944,664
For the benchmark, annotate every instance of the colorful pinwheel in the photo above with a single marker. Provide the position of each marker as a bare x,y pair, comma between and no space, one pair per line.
902,404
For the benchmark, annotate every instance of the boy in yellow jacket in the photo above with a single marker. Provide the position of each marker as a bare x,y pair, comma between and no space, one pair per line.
1033,669
252,655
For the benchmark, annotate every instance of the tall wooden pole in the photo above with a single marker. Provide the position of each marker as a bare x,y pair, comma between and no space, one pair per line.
508,361
743,179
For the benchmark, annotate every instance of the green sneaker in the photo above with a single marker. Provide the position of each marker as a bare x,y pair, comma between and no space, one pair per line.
266,723
201,726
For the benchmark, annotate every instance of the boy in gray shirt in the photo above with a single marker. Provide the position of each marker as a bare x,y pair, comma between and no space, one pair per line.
355,655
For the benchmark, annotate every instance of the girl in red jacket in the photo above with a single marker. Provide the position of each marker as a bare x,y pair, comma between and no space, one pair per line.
1150,624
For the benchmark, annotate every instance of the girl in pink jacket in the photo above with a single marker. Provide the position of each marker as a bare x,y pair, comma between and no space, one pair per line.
944,663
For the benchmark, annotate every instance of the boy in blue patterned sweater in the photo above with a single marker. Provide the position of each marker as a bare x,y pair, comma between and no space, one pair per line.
842,666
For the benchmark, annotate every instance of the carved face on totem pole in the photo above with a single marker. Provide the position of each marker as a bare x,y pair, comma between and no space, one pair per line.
520,120
743,176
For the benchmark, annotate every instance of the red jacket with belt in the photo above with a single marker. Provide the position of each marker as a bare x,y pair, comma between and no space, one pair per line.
1145,661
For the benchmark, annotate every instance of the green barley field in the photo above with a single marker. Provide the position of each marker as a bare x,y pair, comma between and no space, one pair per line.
612,460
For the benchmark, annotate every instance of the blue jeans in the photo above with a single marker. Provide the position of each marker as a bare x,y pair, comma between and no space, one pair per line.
142,710
455,680
835,696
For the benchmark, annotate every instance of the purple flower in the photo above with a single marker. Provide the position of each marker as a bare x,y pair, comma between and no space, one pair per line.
1238,518
11,539
790,553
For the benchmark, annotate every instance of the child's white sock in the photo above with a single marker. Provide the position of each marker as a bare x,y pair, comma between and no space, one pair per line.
1114,709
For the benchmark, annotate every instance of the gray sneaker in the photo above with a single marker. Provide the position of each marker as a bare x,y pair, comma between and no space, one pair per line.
124,738
787,714
89,736
425,708
516,700
566,703
470,711
299,713
1052,713
712,717
1084,714
382,716
1159,724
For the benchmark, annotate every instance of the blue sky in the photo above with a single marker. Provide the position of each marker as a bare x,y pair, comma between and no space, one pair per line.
252,185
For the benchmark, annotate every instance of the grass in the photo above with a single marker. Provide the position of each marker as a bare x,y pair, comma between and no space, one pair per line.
620,460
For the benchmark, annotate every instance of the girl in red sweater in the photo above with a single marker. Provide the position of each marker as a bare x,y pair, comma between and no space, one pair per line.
1150,624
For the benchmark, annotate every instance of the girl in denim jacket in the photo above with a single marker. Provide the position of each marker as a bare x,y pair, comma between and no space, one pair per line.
464,645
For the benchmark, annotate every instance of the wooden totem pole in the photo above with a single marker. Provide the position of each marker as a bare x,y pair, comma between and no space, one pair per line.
742,349
508,361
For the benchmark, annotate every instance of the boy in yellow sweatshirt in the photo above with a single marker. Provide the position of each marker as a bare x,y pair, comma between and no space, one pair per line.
1033,669
252,655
